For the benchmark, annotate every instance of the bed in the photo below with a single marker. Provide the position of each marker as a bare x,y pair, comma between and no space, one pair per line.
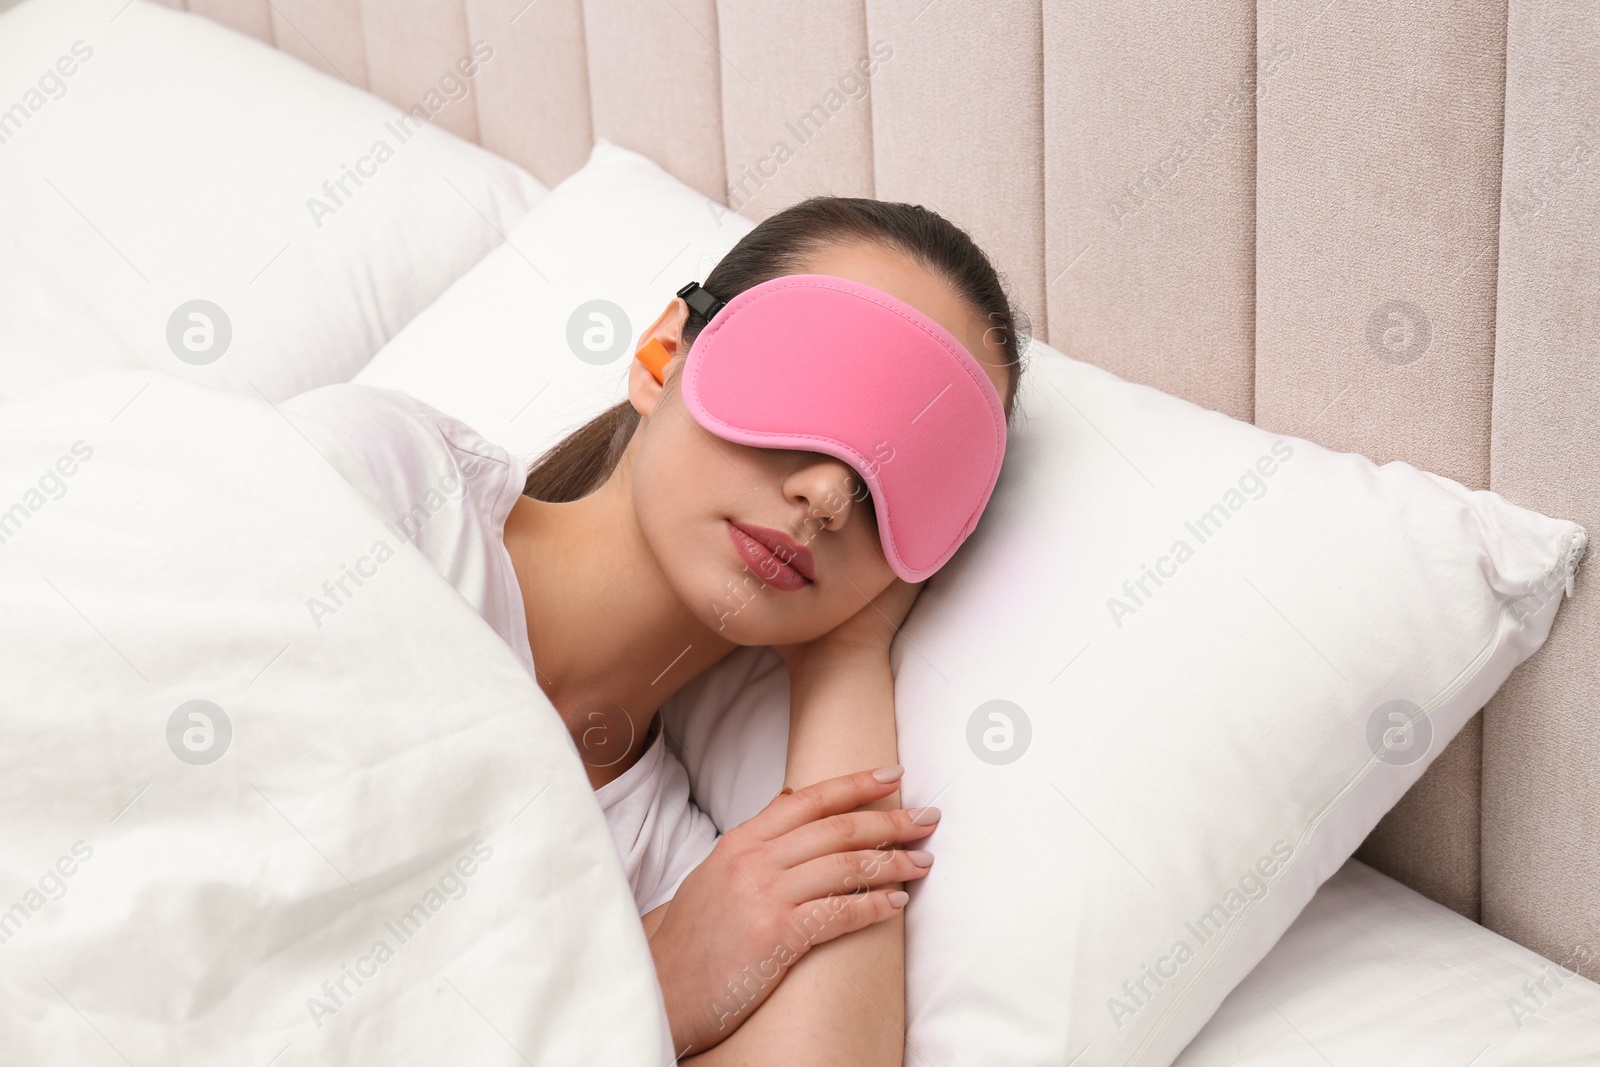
1365,226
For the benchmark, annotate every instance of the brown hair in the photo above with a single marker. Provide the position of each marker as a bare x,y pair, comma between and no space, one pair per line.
781,245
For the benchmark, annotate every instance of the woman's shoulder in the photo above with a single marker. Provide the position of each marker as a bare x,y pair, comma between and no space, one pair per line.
435,482
399,449
353,405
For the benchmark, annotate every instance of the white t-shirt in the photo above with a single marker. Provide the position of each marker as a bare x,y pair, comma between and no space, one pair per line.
450,491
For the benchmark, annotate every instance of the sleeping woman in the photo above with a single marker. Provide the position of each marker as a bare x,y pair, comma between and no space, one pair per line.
807,437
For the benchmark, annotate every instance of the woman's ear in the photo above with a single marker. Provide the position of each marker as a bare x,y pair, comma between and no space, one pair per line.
644,392
660,339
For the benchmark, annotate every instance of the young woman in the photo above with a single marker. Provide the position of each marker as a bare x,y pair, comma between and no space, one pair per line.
608,567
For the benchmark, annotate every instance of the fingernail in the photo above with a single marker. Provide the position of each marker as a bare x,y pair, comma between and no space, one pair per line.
920,856
925,816
889,774
899,897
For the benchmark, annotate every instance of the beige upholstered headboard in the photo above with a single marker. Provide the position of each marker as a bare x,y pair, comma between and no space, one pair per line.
1371,223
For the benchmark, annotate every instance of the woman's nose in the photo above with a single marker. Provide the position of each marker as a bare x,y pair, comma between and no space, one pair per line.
827,487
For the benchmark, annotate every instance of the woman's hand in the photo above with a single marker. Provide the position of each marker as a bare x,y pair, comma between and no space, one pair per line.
873,627
798,874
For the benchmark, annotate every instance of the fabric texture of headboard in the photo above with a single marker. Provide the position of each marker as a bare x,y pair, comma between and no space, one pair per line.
1371,225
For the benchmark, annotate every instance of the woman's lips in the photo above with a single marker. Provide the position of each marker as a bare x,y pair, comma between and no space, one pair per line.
775,558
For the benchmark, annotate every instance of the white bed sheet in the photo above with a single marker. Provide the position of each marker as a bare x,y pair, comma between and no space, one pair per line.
1374,974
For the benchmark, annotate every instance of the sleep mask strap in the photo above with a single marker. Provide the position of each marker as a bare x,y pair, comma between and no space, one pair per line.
700,300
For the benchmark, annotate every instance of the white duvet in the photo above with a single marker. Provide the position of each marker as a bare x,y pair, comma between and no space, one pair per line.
237,830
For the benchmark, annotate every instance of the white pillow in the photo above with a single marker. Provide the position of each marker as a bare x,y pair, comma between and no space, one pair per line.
154,158
1174,749
537,339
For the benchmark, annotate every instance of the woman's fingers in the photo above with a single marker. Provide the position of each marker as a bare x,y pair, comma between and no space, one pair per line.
818,921
851,830
831,796
852,872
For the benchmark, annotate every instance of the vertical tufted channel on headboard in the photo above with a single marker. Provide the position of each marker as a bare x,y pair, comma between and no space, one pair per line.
533,94
1541,733
326,34
1377,212
1150,122
797,122
958,125
1368,224
247,16
413,48
655,81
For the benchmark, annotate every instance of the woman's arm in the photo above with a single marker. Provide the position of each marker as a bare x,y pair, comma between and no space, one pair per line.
844,1000
769,893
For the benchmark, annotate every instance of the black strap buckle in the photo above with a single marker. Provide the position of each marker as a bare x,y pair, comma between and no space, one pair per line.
700,300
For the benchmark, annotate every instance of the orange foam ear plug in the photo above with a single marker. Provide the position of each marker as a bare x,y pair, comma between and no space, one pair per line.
653,354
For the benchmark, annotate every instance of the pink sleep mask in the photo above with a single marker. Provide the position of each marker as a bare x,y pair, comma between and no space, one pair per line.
824,364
